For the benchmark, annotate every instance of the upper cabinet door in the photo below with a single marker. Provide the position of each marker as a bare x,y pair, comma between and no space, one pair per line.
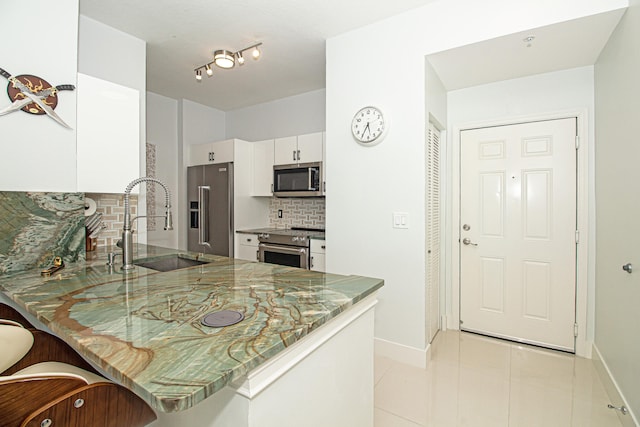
299,149
310,148
211,153
286,150
108,136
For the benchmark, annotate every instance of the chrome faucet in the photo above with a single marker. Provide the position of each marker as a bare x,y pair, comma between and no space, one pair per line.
127,235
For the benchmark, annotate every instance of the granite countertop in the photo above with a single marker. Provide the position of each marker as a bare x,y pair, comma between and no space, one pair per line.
319,235
144,330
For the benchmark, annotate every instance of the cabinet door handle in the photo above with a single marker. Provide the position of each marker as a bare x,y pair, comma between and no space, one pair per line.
311,262
298,155
294,155
212,156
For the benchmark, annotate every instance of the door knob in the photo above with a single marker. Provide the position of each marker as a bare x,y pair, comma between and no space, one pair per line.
467,241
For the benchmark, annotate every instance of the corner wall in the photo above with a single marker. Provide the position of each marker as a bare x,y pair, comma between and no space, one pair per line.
369,183
617,95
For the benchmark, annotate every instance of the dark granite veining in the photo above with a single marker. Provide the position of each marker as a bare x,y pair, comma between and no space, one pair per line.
144,328
36,227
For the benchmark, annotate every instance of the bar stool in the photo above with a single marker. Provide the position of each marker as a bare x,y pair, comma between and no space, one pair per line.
43,393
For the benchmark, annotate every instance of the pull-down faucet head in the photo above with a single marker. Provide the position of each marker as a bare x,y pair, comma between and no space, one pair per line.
127,237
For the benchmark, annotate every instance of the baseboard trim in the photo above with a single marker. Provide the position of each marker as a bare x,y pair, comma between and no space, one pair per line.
612,389
401,353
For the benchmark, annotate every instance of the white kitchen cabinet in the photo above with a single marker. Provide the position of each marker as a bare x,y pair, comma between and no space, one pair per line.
108,136
285,150
211,153
318,252
263,168
310,147
324,163
306,148
247,247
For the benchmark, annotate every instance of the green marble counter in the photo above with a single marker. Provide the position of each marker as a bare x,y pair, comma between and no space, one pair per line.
143,328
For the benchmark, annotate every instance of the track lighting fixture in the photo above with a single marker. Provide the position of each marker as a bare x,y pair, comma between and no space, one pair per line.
226,59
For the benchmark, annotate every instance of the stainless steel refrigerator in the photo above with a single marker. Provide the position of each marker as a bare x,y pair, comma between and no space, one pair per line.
210,202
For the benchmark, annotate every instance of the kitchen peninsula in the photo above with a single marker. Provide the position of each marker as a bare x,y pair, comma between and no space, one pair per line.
302,355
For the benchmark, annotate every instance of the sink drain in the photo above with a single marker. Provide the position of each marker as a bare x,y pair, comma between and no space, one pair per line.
222,318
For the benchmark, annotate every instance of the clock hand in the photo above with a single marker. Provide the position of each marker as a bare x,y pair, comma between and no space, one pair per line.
367,129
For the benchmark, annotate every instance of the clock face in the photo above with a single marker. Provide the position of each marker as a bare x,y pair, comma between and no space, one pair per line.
368,125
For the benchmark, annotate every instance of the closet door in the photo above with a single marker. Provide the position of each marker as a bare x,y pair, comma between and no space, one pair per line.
433,232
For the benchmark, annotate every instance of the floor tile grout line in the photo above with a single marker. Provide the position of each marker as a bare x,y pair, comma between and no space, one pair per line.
400,416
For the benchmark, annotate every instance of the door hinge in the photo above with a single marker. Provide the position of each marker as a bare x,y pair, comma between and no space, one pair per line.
575,329
577,142
577,236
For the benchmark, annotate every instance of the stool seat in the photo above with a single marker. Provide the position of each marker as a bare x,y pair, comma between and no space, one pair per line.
60,369
34,391
15,342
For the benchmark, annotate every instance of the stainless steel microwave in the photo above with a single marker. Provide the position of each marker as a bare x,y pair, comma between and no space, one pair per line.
299,180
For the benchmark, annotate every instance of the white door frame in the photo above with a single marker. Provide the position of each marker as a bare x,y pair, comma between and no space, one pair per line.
451,251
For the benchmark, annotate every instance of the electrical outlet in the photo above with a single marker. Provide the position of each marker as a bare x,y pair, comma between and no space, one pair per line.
279,213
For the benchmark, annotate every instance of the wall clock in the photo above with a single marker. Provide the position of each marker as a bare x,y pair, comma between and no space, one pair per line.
369,126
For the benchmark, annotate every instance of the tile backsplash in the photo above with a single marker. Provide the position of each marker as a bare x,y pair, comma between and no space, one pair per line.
112,208
297,212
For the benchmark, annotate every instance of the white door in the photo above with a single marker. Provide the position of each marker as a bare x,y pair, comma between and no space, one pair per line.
518,232
433,232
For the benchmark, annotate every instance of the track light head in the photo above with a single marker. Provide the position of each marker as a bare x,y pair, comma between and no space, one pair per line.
224,59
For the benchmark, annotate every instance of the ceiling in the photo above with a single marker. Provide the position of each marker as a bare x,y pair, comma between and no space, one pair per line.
556,47
181,36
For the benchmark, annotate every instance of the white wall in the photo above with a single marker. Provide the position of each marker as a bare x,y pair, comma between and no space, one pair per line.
436,97
375,181
162,131
120,58
202,124
38,154
568,90
618,206
294,115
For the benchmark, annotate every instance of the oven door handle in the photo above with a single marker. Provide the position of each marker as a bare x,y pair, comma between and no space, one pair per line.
281,249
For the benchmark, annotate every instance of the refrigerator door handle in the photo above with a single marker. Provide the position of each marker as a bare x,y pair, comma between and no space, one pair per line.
203,215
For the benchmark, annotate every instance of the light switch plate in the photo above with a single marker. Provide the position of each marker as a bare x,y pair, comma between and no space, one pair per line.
400,220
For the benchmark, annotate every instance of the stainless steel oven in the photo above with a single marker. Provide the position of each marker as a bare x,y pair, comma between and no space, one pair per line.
284,249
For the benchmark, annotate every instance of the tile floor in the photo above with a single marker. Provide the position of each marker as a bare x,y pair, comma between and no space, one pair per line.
477,381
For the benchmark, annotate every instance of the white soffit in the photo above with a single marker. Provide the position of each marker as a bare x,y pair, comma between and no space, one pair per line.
556,47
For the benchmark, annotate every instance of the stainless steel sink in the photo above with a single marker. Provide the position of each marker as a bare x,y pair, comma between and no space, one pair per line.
168,263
